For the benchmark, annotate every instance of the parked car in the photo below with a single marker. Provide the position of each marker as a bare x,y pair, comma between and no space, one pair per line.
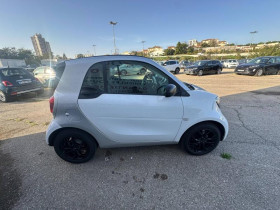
230,63
172,66
260,66
184,64
205,67
126,69
223,63
241,61
47,76
93,107
17,81
31,67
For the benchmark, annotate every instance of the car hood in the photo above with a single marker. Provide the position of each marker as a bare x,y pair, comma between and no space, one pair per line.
193,87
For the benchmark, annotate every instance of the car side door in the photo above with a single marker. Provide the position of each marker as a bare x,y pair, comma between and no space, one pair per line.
271,66
131,109
207,67
277,65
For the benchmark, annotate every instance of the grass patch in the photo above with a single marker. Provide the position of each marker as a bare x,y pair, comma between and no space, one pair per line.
226,156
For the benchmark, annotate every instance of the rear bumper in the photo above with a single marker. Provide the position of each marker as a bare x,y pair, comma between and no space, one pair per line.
54,126
13,91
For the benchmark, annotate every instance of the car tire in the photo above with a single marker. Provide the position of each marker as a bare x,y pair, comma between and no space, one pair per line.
3,97
278,73
177,70
123,72
201,139
259,73
143,71
74,146
219,71
200,73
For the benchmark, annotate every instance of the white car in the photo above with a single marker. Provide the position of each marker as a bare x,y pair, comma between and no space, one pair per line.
172,66
93,107
230,63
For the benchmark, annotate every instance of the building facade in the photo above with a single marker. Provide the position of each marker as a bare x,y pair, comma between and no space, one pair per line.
40,45
193,43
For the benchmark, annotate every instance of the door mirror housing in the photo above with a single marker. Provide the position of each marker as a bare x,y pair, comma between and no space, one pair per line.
170,90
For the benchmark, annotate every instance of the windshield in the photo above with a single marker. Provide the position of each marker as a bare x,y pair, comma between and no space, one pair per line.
13,72
199,63
259,60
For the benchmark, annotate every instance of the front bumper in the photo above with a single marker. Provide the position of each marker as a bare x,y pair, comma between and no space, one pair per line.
190,72
244,72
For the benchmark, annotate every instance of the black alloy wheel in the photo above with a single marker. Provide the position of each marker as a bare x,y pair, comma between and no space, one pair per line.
201,139
74,146
177,70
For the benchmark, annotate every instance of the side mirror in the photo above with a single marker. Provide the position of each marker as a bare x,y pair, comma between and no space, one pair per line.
164,64
170,90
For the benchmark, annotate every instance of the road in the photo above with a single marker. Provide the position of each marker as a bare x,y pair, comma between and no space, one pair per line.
157,177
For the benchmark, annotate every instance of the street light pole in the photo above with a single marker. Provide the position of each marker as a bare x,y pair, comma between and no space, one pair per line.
143,46
113,24
252,33
94,49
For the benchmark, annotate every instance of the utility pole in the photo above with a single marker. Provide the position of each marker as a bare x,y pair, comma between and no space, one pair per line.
143,46
252,38
94,49
113,24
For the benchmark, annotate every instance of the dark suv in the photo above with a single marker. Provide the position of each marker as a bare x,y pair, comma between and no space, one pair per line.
260,66
205,67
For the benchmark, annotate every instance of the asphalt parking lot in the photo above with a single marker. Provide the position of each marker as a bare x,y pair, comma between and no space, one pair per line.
32,176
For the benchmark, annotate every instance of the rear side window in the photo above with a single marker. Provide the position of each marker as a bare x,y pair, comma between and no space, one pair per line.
93,84
278,60
13,72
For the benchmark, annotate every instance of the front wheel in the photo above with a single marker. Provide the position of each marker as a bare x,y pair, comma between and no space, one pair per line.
259,73
219,71
201,139
74,146
177,70
200,73
278,73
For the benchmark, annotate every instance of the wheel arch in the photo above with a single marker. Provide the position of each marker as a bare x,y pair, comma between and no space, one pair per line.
54,134
219,126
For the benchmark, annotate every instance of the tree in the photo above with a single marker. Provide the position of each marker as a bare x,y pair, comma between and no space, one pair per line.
181,48
169,51
64,56
190,50
205,45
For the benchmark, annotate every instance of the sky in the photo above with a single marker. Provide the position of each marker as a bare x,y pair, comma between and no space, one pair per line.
72,26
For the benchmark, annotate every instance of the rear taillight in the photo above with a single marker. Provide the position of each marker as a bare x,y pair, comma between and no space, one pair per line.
51,103
7,83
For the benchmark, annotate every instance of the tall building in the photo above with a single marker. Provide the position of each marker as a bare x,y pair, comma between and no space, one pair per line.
40,45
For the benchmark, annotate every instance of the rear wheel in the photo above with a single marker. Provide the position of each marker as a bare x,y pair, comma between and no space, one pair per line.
219,71
74,146
278,73
201,139
123,72
200,73
259,73
143,71
177,70
3,97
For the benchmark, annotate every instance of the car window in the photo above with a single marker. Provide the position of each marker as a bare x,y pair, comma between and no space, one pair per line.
93,84
13,72
277,60
167,63
271,61
172,62
213,62
133,77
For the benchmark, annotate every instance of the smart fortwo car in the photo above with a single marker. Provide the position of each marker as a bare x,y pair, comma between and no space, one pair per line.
95,106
